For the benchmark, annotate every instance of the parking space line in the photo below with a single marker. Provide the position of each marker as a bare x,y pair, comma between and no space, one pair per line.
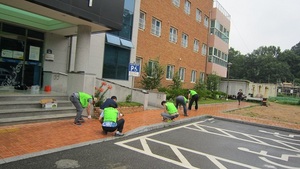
145,145
276,164
180,156
198,126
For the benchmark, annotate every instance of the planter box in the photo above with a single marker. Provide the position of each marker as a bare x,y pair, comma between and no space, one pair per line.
133,109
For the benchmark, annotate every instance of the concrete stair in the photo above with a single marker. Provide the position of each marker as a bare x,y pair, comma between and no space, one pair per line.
17,107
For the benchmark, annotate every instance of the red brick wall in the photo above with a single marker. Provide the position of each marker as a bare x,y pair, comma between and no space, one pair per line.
151,47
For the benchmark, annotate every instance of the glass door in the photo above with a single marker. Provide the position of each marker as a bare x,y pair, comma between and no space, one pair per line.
12,61
20,56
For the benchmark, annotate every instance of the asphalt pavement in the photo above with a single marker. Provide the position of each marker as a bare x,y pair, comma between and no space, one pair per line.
206,142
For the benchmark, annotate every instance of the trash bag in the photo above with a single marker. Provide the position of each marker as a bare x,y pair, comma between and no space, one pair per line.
21,87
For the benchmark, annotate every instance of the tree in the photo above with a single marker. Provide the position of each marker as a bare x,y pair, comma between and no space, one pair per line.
152,75
293,60
296,49
177,84
264,65
237,69
213,82
267,51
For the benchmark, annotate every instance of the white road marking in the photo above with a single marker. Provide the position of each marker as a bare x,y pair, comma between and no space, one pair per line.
253,138
284,157
226,133
216,160
287,145
249,135
145,145
180,156
201,128
287,137
276,164
155,156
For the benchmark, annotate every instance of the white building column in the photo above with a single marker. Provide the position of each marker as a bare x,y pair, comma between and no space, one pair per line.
81,80
82,48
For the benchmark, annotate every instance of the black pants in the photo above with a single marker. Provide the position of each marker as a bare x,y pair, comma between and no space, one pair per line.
119,127
195,99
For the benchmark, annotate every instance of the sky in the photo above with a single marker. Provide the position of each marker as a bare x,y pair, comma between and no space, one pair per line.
256,23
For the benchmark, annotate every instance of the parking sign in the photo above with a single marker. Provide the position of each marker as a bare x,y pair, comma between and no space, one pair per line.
134,69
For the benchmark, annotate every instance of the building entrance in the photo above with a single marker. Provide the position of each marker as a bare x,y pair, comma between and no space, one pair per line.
21,56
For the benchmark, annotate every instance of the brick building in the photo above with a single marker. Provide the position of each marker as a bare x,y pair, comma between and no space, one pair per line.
218,41
176,34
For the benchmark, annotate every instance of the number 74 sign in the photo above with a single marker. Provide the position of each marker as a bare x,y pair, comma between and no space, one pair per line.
134,69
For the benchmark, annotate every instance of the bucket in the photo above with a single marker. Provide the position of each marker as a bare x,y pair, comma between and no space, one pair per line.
48,88
35,89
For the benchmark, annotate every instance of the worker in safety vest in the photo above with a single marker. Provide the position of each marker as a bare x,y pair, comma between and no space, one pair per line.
193,97
170,112
81,101
181,100
110,121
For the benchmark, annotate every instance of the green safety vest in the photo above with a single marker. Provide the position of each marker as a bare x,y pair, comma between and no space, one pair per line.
171,108
193,92
185,99
84,99
110,114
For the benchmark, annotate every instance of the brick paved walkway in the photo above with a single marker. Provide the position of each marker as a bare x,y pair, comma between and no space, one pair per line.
22,139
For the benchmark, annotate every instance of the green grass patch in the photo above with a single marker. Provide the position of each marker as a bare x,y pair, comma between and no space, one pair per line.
285,100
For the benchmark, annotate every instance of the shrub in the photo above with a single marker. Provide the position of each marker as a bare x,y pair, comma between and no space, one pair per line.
152,75
129,98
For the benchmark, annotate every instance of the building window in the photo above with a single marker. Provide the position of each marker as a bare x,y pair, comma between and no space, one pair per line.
219,30
202,77
116,61
210,51
126,32
181,73
198,15
176,2
173,35
170,72
142,21
156,27
138,61
215,52
204,49
206,21
187,7
184,41
196,45
193,76
151,65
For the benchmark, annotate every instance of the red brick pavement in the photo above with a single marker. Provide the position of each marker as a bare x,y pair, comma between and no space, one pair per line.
22,139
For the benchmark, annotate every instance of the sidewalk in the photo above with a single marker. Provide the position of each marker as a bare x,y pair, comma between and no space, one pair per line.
22,139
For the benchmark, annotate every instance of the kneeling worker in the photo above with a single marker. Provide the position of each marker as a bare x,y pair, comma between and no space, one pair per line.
110,121
171,111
